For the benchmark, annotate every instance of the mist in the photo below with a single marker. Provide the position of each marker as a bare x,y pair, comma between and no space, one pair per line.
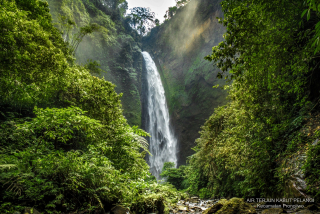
189,27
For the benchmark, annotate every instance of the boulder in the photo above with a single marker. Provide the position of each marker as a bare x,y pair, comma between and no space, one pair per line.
273,211
182,208
305,211
313,207
119,210
232,206
295,185
194,200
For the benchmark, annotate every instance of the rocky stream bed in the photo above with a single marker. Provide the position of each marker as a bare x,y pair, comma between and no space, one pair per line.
219,206
235,206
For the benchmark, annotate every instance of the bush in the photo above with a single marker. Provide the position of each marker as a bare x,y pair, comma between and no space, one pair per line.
175,176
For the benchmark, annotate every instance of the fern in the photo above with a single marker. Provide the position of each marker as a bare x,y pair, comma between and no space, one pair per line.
7,166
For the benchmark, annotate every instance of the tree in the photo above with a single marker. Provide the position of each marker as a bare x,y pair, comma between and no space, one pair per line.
66,25
142,19
182,3
77,38
157,22
172,10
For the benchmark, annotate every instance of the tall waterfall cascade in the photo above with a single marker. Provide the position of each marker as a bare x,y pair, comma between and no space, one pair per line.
162,144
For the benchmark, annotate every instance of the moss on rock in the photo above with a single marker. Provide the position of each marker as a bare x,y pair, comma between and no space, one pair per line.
274,211
232,206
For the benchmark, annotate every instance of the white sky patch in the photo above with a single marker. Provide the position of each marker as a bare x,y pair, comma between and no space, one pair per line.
159,7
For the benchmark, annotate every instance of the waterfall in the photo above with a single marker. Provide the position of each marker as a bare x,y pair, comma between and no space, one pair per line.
162,144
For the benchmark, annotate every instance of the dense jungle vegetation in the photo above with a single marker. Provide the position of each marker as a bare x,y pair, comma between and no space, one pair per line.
65,145
115,46
270,56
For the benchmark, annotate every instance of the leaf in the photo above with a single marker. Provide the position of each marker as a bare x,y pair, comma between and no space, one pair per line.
317,28
304,12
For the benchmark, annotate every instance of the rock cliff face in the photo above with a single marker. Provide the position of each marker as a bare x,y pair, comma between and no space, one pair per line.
178,47
115,46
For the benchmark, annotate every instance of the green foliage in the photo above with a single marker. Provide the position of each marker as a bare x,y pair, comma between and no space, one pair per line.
61,181
66,25
7,208
314,6
142,19
181,3
33,52
204,193
93,67
69,154
172,10
64,143
175,176
58,126
311,168
85,30
242,143
115,45
146,197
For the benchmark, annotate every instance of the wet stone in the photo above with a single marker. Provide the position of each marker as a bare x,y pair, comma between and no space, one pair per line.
304,212
273,211
182,208
192,205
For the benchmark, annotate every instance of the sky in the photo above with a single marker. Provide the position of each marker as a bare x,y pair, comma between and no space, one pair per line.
159,7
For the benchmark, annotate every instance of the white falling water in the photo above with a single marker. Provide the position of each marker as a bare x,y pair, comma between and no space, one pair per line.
162,142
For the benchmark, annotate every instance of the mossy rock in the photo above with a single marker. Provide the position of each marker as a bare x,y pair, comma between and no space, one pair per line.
233,206
273,211
119,210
